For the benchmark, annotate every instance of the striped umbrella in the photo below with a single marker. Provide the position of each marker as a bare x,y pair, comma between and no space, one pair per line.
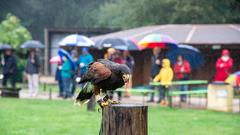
234,79
157,40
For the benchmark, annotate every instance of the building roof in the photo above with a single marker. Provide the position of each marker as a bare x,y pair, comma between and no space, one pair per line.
185,33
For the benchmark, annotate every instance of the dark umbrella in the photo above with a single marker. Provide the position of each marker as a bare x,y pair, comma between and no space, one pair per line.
117,43
5,47
190,53
32,44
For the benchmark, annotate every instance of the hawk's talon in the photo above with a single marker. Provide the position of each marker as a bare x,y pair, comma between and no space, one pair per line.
102,103
113,102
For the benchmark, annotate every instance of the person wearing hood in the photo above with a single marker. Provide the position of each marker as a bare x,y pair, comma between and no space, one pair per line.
165,77
84,60
223,66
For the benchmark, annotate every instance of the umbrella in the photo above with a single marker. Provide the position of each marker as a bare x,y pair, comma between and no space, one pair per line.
157,40
32,44
76,40
234,79
190,53
63,53
55,59
5,47
117,43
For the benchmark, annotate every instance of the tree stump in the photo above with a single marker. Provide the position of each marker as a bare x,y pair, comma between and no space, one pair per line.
125,119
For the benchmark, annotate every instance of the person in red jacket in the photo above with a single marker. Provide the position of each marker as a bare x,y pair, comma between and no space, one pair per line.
223,66
182,69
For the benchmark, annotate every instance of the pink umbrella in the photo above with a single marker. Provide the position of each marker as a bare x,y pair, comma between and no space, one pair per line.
55,60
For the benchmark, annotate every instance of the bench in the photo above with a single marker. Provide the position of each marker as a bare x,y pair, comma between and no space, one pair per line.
10,92
189,92
142,91
185,82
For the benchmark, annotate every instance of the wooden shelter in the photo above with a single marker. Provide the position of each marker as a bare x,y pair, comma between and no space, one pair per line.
209,38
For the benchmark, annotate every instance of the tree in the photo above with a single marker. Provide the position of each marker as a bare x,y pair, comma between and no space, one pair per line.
12,32
135,13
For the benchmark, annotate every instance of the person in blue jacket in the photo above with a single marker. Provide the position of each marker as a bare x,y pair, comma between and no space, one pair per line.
84,60
66,74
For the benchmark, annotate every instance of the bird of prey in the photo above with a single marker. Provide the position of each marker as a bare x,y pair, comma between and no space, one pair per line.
102,76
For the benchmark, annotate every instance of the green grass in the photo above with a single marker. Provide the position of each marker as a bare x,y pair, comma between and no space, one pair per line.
42,117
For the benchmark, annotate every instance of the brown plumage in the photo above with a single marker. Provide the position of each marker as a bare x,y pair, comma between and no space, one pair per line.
103,75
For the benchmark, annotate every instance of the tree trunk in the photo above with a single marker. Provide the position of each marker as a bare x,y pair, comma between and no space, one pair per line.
125,119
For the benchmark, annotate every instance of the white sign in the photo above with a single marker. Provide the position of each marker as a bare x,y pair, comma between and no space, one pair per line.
222,93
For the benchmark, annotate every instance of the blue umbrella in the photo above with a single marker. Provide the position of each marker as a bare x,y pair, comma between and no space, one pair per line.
117,43
76,40
190,53
63,53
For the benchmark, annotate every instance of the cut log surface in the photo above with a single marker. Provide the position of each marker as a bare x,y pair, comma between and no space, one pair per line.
125,119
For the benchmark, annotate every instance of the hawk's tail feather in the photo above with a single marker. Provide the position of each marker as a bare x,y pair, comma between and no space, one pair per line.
85,94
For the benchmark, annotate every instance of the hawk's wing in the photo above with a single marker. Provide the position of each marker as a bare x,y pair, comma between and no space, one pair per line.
110,65
97,72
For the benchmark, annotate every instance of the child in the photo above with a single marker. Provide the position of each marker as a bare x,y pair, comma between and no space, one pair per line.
165,76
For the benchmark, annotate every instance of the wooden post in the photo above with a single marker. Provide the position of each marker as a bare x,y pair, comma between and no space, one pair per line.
91,106
124,119
50,94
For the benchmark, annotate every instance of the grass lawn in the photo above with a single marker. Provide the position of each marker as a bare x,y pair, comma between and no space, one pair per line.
42,117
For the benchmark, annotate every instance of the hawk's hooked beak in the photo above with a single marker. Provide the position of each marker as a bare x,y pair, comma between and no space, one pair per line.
126,78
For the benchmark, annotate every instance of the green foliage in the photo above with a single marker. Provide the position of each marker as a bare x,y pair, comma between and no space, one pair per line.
58,117
12,32
134,13
39,14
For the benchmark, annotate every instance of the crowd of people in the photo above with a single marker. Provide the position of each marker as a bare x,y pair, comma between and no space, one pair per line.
162,70
66,74
9,64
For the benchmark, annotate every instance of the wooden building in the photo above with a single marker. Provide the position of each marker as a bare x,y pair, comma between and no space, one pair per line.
52,37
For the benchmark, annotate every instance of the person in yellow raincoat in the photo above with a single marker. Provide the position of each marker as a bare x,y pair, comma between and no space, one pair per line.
165,77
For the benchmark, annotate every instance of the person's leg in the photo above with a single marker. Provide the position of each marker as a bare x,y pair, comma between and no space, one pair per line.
73,88
183,96
110,94
166,91
35,79
68,88
5,78
152,94
64,83
127,93
30,86
60,85
161,94
13,80
119,93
